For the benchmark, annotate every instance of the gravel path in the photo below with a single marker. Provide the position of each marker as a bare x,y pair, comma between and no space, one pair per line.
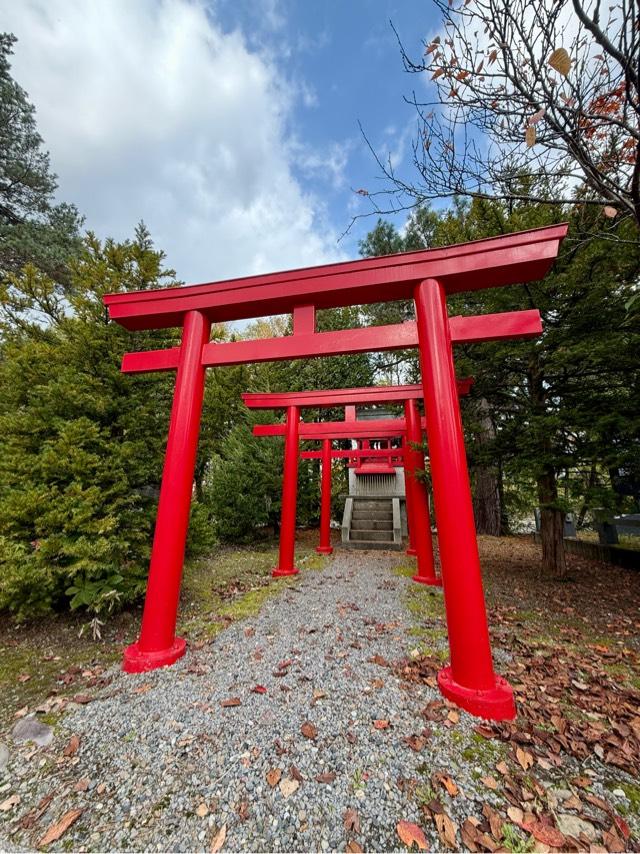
165,765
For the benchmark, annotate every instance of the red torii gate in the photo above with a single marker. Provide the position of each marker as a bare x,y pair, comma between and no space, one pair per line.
427,277
349,398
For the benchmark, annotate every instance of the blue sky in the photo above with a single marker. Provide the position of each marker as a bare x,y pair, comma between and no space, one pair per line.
229,126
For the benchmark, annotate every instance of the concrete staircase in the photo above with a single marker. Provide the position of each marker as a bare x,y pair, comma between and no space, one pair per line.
371,524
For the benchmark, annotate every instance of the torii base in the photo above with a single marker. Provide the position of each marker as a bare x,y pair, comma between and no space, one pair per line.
136,660
411,552
423,579
282,573
324,550
494,704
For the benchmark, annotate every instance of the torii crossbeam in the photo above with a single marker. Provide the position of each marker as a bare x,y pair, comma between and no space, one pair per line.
427,277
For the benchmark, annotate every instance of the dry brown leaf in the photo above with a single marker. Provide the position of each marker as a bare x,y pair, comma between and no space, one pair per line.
524,758
489,782
24,677
232,701
354,848
218,840
379,724
273,777
72,745
82,785
308,730
58,828
495,821
530,136
10,803
453,716
515,814
351,821
447,829
326,777
288,787
447,783
410,833
202,810
502,767
561,61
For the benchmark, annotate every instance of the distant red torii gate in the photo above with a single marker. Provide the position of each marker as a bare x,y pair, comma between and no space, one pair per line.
411,431
427,277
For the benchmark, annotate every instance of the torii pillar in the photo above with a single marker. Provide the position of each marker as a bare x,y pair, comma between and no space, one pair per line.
417,499
325,547
470,680
289,496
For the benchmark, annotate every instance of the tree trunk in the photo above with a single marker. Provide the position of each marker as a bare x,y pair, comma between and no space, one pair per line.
551,525
487,506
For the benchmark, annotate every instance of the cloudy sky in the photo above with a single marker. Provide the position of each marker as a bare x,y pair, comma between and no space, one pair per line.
229,126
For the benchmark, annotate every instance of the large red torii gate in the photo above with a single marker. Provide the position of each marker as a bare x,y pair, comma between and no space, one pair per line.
350,398
427,277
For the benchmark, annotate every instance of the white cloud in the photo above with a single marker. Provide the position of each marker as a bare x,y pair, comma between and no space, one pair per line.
151,111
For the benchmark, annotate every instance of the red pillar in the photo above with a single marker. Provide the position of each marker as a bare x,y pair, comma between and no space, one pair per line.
470,680
421,520
408,492
325,547
158,645
289,496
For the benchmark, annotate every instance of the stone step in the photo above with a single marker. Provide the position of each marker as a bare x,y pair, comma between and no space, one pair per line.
381,515
371,524
368,534
373,544
372,504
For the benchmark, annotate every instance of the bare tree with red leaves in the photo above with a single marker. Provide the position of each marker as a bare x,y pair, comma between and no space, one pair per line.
528,95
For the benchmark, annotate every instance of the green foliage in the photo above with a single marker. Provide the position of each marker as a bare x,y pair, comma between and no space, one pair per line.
81,446
32,228
243,485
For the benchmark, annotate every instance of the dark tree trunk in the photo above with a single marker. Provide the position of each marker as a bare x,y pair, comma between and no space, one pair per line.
487,506
551,525
551,516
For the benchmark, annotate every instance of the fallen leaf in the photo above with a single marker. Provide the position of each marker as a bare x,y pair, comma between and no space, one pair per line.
288,787
447,783
415,742
489,782
318,695
447,829
218,840
326,777
10,803
295,773
72,745
232,701
515,814
82,785
249,632
101,788
502,767
259,689
453,716
142,689
524,758
308,730
495,821
58,828
82,700
273,777
379,724
354,848
351,821
410,833
24,677
202,810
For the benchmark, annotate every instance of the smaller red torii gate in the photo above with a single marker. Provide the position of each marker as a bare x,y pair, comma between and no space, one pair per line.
410,429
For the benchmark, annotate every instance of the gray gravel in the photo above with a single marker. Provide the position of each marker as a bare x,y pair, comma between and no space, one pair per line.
165,766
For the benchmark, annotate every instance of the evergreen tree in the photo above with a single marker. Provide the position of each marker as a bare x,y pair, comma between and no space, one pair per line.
32,228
